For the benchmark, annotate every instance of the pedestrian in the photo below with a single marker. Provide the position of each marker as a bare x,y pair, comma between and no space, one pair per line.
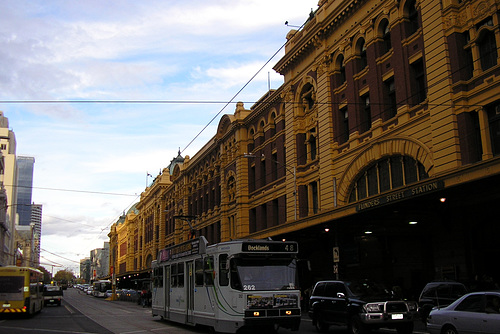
144,297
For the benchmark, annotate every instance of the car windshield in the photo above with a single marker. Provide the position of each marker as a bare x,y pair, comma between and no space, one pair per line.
367,288
258,274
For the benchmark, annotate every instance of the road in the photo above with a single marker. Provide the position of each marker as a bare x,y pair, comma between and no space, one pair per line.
82,314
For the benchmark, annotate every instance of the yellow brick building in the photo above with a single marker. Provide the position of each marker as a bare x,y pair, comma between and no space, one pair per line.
382,145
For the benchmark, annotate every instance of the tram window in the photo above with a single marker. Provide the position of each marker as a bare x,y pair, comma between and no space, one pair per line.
180,274
198,269
235,278
158,277
173,276
209,270
223,270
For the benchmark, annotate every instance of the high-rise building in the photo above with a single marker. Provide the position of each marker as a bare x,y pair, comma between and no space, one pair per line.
36,222
24,188
8,178
85,270
99,262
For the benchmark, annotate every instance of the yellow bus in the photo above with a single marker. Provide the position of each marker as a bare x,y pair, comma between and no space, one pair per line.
21,290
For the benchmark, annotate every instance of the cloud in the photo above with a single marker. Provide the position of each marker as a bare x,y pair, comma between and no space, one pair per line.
136,51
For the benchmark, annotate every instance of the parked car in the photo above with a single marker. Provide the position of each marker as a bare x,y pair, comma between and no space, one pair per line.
476,312
361,305
108,293
439,294
89,290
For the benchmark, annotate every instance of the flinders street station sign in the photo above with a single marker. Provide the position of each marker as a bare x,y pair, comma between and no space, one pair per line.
404,194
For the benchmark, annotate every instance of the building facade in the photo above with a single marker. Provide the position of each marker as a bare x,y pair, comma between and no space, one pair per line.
25,166
379,154
36,222
85,272
8,178
99,262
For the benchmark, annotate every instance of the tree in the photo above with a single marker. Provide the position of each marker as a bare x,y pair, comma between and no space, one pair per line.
64,275
46,275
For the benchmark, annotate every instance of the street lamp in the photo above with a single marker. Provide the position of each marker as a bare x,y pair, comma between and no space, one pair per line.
291,169
188,219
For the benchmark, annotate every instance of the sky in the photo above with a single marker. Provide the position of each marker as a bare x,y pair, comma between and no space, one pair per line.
103,93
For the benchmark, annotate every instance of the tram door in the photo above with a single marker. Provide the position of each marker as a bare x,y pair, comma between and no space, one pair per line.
166,291
190,292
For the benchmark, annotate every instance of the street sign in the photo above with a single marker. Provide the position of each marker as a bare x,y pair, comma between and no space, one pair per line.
336,255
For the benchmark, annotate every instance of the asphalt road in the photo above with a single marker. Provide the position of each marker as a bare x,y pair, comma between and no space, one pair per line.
83,314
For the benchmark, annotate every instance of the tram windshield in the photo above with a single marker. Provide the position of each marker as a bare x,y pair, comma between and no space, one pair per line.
263,274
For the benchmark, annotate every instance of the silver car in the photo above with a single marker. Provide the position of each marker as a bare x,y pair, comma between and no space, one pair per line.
476,312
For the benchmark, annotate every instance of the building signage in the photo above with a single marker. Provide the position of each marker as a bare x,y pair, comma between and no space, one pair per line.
400,195
175,252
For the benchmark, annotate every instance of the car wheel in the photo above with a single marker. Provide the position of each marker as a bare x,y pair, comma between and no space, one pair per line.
357,327
321,326
405,328
449,330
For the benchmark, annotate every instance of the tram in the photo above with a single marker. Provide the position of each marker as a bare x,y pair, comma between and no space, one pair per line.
228,286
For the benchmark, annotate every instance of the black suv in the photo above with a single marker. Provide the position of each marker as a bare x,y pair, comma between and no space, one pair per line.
361,305
439,294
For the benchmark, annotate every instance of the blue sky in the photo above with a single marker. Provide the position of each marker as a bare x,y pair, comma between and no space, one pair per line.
91,159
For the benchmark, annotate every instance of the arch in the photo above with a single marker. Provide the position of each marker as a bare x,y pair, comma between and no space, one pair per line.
487,46
339,69
306,96
272,116
261,126
411,16
384,33
149,259
359,47
231,185
394,146
224,125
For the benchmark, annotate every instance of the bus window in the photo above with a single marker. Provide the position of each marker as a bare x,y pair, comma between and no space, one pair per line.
11,284
209,271
223,270
198,269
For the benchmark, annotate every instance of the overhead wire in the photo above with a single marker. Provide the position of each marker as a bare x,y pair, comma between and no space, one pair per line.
226,103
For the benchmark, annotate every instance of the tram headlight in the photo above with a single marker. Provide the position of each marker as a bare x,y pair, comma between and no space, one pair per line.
256,314
288,312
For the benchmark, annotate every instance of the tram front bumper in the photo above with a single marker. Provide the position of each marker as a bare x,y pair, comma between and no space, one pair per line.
286,318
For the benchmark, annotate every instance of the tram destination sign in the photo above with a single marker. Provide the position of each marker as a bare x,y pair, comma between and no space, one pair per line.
185,249
269,247
400,195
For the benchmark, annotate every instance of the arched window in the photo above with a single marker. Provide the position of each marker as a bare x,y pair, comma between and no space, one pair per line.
361,54
231,188
307,98
487,50
411,14
340,67
386,174
385,33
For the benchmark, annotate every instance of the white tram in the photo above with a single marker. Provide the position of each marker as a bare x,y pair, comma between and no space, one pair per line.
228,286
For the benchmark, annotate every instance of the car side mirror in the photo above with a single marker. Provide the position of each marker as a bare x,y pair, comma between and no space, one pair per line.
340,295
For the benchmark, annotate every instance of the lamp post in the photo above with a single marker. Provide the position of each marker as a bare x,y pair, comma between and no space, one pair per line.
291,169
188,219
